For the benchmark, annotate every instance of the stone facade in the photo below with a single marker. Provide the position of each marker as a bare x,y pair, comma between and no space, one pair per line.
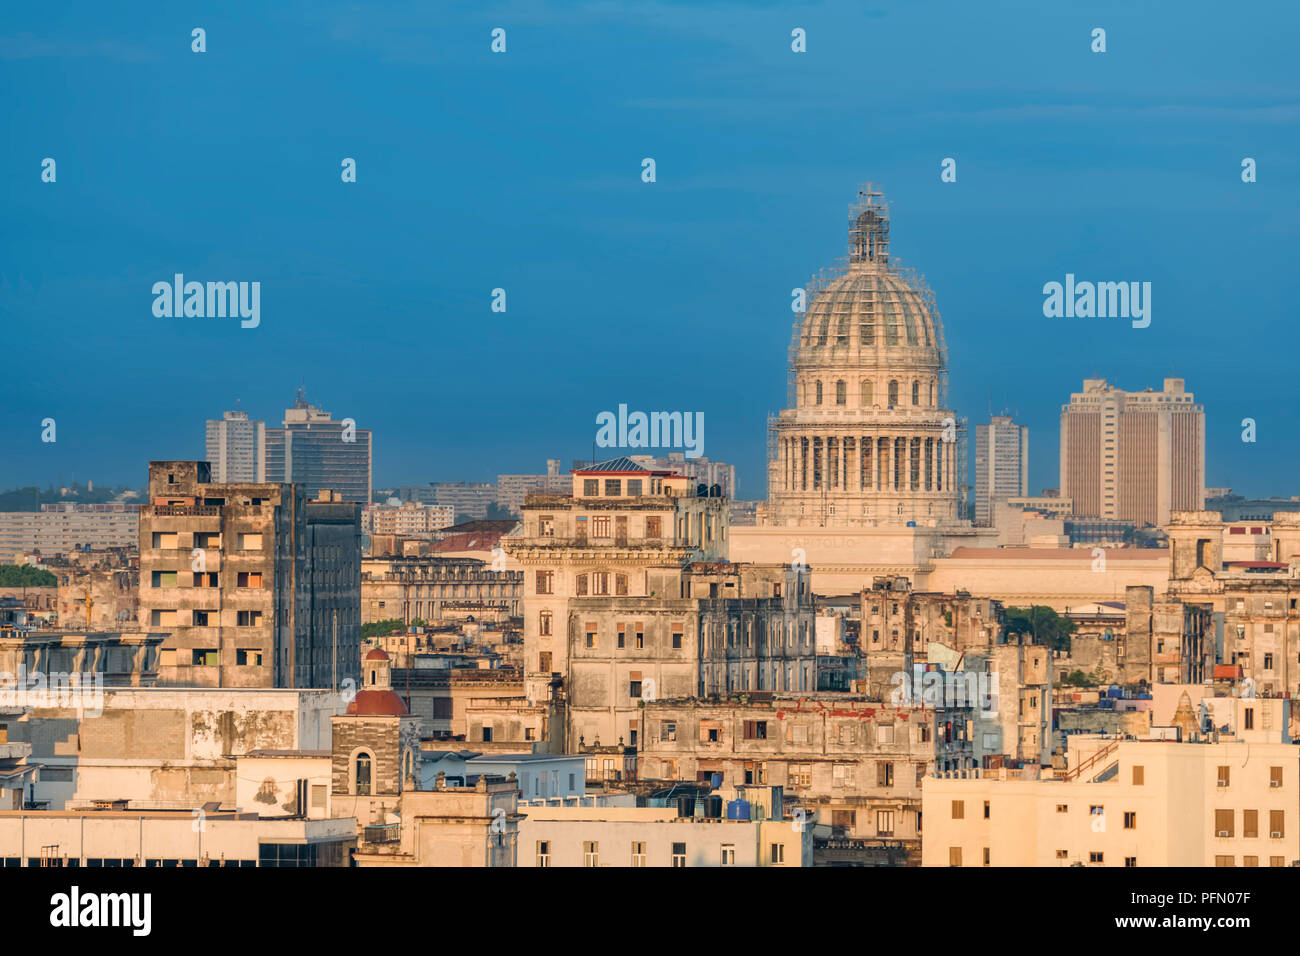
854,764
432,589
869,439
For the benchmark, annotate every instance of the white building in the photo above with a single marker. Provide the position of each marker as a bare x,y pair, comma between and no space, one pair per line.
656,836
236,448
1001,464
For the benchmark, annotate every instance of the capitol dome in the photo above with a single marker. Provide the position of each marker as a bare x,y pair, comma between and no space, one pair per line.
868,439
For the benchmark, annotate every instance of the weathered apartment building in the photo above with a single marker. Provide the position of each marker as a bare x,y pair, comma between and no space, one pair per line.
1243,575
257,585
851,763
431,589
628,598
899,624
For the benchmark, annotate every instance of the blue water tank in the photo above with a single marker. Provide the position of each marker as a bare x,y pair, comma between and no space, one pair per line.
716,780
911,524
738,810
1115,691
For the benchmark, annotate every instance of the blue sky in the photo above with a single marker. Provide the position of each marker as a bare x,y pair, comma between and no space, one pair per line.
522,171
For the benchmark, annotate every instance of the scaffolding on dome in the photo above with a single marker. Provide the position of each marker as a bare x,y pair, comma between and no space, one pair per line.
869,228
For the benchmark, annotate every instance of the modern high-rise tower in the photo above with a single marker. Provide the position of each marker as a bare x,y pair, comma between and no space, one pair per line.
1001,464
236,448
1133,456
316,452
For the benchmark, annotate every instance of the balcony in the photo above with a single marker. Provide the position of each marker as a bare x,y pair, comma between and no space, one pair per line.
386,833
186,511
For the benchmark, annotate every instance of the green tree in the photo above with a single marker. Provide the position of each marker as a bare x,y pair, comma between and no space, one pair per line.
25,576
1042,623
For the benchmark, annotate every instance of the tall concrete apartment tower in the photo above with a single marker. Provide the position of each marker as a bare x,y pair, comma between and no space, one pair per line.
257,585
316,452
1133,456
1001,464
236,448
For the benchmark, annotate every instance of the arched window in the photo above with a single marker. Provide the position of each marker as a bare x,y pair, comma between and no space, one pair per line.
841,393
819,393
893,394
361,774
916,393
866,395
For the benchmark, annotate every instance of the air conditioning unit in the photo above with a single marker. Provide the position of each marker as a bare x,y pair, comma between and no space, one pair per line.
1276,834
1224,833
1275,783
1223,783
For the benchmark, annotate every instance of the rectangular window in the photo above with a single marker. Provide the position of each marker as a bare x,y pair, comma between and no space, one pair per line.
546,526
590,487
1223,823
884,773
778,853
959,810
622,635
668,730
634,689
654,527
634,487
677,639
590,854
1138,776
728,854
164,579
544,581
166,539
248,657
1130,820
580,585
640,638
204,658
250,542
544,628
884,823
1250,823
1275,776
620,584
248,579
1096,856
1224,776
544,661
199,619
249,619
679,854
613,487
543,852
204,579
591,635
161,618
756,730
954,856
638,854
1276,824
600,526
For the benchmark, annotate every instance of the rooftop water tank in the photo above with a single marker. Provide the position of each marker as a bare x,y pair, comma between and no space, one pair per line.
738,810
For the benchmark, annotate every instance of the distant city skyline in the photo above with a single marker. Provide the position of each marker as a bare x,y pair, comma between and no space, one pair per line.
377,294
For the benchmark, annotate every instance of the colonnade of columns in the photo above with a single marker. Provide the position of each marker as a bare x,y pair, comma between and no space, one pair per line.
887,462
